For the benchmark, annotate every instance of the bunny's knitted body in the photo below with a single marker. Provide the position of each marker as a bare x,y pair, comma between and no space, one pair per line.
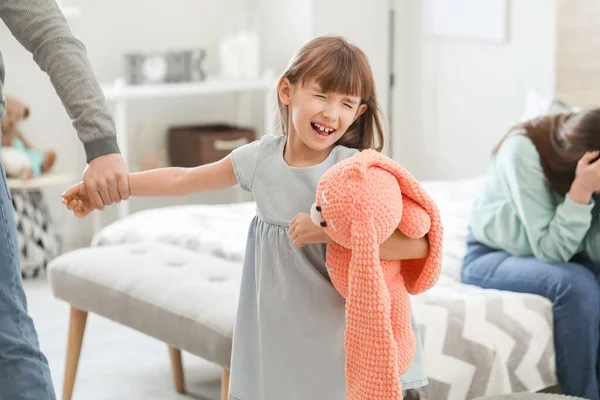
360,202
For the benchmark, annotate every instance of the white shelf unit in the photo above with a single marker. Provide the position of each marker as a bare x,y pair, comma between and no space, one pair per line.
121,91
119,94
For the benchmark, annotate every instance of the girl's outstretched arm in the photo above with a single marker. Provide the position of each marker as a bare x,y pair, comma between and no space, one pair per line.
171,181
176,181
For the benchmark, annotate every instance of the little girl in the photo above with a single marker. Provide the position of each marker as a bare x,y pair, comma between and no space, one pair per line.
289,332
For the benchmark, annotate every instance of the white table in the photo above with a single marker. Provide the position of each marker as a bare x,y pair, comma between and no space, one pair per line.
50,179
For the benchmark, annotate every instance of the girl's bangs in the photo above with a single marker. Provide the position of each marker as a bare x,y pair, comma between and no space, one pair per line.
342,73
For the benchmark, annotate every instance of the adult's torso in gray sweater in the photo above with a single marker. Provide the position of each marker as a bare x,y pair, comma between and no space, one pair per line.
42,29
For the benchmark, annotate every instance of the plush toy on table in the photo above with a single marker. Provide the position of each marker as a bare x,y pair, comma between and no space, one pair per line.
19,158
360,202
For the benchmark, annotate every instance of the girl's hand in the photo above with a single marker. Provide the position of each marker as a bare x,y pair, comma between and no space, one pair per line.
77,200
303,231
587,178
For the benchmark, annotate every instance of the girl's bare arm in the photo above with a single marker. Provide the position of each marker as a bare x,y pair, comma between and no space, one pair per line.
401,247
175,181
171,181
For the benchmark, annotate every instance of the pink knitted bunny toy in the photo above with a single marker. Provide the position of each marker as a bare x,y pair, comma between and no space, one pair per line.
360,202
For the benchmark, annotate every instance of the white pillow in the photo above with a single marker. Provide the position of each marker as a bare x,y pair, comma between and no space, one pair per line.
537,105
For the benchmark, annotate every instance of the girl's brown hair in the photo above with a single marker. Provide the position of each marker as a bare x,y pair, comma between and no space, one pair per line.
561,140
341,67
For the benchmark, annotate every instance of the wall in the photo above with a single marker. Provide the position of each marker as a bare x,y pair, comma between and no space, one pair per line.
285,26
456,97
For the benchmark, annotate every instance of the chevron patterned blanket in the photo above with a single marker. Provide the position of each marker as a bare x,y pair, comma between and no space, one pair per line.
483,342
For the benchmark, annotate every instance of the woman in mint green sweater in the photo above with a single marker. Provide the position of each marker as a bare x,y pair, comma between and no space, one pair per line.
535,228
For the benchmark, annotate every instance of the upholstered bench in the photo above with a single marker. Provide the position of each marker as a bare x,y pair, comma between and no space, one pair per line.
183,298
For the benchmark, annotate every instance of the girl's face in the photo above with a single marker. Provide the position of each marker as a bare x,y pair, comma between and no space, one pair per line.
319,119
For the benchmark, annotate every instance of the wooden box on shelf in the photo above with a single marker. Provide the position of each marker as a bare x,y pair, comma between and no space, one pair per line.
190,146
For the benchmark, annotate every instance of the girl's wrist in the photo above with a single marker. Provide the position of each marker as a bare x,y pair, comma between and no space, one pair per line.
326,238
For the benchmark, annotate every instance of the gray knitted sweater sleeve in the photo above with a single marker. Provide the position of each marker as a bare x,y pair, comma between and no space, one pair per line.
42,29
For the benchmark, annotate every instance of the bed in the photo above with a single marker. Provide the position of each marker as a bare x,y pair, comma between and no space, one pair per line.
476,342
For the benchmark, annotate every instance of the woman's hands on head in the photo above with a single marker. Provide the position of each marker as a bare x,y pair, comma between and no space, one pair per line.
587,178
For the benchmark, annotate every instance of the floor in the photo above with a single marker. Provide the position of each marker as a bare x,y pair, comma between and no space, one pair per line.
116,362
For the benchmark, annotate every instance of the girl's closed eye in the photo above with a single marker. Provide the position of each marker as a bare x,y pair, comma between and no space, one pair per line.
350,102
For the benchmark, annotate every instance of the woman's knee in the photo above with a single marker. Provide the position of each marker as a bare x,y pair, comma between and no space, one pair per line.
478,264
579,286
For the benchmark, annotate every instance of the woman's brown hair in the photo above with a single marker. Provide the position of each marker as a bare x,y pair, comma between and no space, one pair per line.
561,140
341,67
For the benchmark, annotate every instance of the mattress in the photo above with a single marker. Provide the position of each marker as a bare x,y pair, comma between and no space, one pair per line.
220,229
476,341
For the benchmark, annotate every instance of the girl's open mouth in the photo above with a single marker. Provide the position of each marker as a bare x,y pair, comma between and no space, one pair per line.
321,130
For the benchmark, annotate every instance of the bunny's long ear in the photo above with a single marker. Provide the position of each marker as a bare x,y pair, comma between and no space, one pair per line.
419,275
371,350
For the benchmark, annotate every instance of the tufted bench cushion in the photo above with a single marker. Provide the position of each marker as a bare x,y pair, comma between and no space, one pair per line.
183,298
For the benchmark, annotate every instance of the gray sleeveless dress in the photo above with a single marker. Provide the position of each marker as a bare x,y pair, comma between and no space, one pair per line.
289,332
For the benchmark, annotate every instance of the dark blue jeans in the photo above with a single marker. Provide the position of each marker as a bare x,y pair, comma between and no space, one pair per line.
24,372
574,292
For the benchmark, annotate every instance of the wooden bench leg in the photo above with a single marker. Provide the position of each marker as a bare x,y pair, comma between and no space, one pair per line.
77,323
177,369
225,385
